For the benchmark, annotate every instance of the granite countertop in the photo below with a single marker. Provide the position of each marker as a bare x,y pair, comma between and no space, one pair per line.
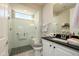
62,42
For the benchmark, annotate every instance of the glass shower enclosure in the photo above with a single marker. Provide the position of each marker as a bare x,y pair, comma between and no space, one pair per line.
23,29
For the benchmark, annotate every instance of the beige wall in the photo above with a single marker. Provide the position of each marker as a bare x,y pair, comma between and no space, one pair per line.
47,13
47,16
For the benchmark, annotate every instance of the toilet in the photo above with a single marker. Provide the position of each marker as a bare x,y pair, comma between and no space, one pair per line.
37,47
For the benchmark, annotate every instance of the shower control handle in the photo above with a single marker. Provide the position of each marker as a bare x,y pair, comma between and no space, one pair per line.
17,33
24,34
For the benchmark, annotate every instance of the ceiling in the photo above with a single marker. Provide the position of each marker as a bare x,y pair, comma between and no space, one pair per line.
59,7
34,5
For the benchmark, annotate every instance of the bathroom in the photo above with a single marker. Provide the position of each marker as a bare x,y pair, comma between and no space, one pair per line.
39,29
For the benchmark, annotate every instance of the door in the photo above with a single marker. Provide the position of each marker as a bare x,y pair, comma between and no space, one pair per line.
61,50
3,30
47,48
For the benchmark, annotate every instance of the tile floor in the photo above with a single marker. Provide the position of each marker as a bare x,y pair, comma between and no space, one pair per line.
27,53
21,50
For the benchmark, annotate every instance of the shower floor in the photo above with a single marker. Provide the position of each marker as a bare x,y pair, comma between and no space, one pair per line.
26,53
24,50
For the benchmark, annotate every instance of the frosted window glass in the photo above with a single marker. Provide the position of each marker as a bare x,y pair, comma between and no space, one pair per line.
23,16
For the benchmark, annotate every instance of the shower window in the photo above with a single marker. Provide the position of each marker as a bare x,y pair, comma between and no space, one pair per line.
23,16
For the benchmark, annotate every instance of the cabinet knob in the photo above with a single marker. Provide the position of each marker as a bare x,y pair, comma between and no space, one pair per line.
50,45
54,47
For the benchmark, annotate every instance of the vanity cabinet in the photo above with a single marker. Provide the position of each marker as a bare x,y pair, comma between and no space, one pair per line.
54,49
61,50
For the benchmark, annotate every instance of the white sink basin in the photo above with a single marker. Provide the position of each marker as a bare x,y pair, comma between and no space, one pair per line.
60,40
73,41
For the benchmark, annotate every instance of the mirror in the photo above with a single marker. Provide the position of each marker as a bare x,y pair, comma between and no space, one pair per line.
61,16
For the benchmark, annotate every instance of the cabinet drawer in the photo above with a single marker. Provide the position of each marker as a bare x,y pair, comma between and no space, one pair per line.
68,51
